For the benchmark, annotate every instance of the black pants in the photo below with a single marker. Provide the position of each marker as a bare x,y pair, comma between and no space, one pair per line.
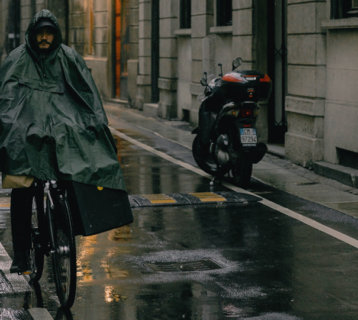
21,209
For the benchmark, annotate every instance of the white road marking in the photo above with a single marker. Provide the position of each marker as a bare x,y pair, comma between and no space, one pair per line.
312,223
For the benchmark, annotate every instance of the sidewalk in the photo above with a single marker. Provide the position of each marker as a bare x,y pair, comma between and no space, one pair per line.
272,170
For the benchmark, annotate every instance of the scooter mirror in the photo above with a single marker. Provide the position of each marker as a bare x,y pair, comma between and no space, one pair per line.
236,63
203,82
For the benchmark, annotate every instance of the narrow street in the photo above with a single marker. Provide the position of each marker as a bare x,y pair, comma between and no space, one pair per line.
205,260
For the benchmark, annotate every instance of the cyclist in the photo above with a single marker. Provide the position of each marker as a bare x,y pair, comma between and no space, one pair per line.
52,125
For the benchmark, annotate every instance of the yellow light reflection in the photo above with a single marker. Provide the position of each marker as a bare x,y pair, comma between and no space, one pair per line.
121,234
86,250
113,272
110,295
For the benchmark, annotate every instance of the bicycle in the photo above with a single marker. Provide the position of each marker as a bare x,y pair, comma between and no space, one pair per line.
52,233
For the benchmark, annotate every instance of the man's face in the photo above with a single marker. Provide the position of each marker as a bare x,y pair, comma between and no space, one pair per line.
44,37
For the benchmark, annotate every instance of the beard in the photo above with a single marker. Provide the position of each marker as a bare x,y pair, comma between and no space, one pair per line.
44,42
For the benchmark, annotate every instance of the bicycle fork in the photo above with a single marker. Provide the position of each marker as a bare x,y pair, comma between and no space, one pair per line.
50,220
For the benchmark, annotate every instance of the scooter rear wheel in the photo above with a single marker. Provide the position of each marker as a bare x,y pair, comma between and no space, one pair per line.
243,170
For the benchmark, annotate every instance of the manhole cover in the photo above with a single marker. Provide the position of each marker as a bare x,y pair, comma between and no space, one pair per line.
185,266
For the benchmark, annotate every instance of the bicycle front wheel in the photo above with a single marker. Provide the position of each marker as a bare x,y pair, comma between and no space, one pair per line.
64,250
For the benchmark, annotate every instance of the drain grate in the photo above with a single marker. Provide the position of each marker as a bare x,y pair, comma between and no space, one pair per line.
185,266
348,158
307,183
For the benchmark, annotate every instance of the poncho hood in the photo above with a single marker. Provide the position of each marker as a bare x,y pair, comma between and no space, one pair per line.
30,35
52,122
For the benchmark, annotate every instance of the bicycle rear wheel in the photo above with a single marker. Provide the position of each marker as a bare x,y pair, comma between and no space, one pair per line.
64,250
36,251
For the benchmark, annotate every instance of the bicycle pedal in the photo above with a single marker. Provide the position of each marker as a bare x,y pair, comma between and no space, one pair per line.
26,272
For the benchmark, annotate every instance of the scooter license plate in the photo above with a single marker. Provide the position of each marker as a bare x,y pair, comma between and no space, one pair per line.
248,136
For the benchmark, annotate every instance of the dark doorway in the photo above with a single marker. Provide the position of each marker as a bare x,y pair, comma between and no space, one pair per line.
60,8
155,50
277,54
120,52
13,26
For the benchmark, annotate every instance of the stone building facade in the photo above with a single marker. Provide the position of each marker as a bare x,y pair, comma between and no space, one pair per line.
307,47
97,29
148,55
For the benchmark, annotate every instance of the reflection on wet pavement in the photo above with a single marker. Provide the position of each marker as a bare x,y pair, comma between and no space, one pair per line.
201,262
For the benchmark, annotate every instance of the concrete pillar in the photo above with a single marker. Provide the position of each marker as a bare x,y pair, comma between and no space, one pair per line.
242,32
77,26
169,22
27,12
305,102
202,20
40,4
144,56
133,53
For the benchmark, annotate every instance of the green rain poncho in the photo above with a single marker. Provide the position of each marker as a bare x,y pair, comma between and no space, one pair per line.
52,122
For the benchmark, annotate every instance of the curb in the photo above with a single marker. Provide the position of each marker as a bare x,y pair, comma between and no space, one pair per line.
337,172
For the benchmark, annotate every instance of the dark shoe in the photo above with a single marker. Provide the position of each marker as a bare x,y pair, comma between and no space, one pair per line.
21,262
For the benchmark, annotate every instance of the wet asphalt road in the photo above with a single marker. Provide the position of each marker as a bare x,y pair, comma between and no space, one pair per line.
221,261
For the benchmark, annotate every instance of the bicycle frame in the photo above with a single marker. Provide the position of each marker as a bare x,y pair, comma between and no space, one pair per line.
47,238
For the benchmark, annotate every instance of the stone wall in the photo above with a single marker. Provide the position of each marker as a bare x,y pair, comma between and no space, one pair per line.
28,9
93,45
133,53
99,60
144,54
168,59
202,20
341,110
184,71
78,21
306,81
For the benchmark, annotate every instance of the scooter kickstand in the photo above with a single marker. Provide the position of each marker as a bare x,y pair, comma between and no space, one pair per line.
216,179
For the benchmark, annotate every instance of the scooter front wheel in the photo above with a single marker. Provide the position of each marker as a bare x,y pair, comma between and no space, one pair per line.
243,170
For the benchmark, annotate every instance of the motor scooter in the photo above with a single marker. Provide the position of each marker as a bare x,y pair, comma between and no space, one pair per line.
226,138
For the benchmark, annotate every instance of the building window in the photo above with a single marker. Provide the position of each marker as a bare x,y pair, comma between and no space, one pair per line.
342,9
185,14
224,12
353,11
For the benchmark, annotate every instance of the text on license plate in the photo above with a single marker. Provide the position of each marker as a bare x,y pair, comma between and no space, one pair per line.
248,135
